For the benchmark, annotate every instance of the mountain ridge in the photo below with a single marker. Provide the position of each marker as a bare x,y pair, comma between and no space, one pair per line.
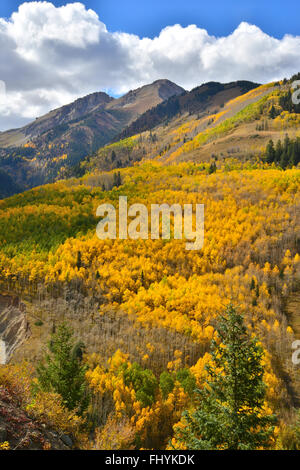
91,103
172,124
42,150
192,101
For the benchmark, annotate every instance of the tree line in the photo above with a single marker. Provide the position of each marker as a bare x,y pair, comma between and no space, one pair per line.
286,154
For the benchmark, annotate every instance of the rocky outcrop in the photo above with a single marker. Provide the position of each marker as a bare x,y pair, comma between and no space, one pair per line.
21,432
14,327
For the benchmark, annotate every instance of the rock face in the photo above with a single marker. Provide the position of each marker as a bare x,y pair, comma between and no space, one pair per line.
2,352
13,326
24,433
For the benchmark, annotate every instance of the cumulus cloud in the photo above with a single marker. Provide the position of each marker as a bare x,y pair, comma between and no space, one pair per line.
49,56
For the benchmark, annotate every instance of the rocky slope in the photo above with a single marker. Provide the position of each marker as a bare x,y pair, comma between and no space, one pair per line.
56,117
206,97
175,123
20,432
13,326
49,146
209,124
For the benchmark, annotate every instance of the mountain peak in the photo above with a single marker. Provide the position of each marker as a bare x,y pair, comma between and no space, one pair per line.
68,112
198,100
147,96
167,88
60,139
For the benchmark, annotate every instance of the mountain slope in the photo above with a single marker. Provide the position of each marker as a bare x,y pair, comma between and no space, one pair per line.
148,309
45,148
139,101
214,126
54,118
204,97
7,185
173,123
153,299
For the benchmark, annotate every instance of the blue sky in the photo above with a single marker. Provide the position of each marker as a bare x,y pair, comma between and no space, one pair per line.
219,17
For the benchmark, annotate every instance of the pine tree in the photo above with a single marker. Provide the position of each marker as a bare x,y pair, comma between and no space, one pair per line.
212,168
117,179
284,159
272,112
270,152
286,143
62,370
230,414
292,157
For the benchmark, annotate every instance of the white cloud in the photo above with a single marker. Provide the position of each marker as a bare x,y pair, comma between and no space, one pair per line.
50,56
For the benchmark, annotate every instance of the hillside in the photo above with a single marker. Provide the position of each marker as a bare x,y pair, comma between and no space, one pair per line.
226,124
29,422
147,310
206,97
8,187
57,117
20,432
152,301
47,147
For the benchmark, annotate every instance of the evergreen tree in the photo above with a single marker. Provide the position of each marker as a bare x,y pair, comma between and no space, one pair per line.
212,168
278,151
62,370
270,152
230,414
286,143
292,157
272,112
287,154
117,179
284,159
